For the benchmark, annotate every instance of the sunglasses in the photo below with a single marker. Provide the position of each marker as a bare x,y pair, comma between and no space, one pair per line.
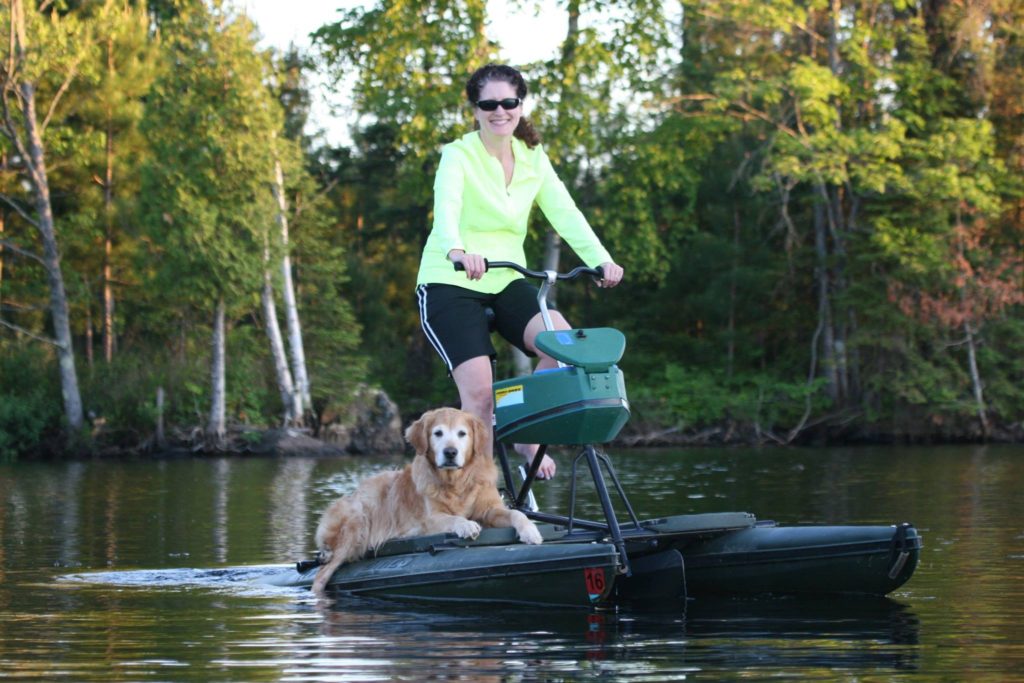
507,104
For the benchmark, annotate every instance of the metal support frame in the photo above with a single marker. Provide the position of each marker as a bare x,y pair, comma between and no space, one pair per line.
594,461
519,495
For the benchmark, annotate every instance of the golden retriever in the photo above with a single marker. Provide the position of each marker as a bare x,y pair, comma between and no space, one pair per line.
449,487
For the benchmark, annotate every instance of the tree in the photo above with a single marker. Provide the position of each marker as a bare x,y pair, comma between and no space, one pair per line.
802,79
101,151
127,75
208,210
953,271
26,71
295,344
292,90
609,48
409,62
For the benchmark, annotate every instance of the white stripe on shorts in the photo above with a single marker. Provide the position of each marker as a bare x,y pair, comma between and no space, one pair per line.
421,296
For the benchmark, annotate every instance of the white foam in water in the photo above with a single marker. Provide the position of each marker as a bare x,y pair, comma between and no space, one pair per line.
248,579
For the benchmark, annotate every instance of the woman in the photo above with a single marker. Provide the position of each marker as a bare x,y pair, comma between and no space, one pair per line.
485,186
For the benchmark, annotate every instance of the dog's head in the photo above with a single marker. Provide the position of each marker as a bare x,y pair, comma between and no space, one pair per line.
447,437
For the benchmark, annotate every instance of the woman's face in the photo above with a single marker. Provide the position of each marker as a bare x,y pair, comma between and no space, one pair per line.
501,122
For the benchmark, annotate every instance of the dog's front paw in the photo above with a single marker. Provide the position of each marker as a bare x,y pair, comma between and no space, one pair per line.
466,528
528,533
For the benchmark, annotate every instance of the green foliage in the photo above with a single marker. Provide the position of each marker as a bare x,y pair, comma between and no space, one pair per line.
796,188
29,401
331,331
252,396
646,203
694,398
1003,355
410,61
206,206
123,394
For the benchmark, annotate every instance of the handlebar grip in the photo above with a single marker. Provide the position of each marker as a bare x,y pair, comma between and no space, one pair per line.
597,272
460,268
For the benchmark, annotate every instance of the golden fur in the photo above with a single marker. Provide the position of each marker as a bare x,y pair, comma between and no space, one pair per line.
449,487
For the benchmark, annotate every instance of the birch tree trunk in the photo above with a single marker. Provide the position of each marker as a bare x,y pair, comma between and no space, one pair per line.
216,430
824,305
295,346
29,145
290,399
51,259
108,211
976,384
161,440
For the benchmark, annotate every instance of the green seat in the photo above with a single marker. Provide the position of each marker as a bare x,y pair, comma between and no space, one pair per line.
593,349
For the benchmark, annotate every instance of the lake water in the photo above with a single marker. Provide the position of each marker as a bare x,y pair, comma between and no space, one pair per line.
145,571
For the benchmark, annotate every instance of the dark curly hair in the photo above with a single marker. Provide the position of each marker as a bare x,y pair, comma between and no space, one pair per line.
502,72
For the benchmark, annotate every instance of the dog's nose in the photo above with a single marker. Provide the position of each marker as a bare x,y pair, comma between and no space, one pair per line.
450,453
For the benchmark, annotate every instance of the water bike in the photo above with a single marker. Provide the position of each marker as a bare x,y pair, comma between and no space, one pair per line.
617,558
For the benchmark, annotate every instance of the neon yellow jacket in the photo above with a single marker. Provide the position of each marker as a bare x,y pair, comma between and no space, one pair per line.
475,212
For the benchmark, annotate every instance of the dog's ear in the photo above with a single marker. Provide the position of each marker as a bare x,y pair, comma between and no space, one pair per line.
481,436
416,434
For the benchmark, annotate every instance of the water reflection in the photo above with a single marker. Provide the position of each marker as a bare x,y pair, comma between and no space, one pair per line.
197,526
848,633
221,479
856,635
361,636
289,511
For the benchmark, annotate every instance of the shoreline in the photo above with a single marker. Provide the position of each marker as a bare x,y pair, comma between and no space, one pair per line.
248,440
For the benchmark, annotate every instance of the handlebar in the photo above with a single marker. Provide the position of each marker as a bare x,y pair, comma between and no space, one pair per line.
539,274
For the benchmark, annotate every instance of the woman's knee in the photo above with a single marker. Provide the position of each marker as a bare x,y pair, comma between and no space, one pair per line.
559,321
478,400
473,379
536,326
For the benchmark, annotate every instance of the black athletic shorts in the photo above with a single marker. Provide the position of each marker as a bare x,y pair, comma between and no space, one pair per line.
454,320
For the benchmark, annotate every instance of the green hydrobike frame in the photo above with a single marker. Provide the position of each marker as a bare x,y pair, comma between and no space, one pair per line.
580,403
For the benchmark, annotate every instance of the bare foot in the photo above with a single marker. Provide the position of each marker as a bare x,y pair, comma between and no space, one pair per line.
547,465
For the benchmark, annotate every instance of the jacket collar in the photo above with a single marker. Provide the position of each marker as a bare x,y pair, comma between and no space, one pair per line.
526,160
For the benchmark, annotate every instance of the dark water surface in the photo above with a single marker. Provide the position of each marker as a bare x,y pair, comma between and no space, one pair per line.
148,571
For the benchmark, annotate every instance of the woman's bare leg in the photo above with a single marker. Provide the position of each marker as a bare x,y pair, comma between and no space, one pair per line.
529,450
473,379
